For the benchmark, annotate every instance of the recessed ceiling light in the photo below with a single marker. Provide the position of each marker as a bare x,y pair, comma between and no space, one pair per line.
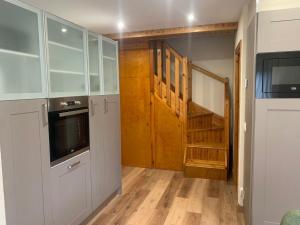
64,30
190,17
121,25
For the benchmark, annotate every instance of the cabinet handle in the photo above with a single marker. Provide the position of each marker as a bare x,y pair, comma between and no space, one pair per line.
92,108
73,165
45,114
105,105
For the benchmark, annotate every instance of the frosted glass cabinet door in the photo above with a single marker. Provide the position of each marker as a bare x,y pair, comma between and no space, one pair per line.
94,64
21,52
66,58
110,66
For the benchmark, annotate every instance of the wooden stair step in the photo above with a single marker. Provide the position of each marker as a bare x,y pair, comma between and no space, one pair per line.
205,129
205,169
207,145
192,115
206,164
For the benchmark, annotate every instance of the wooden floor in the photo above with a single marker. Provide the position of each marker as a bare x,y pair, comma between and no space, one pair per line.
157,197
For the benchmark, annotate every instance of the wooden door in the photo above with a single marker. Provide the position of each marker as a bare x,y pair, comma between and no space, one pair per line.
25,161
237,84
135,107
71,190
168,143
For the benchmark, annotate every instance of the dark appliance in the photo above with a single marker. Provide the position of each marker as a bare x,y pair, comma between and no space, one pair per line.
278,75
68,127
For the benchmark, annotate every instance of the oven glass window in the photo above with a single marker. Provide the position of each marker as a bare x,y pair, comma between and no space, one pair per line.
281,75
285,75
68,134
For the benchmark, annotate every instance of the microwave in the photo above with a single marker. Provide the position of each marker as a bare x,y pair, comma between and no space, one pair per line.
278,75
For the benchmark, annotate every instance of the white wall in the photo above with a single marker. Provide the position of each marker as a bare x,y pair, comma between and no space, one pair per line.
265,5
208,92
214,53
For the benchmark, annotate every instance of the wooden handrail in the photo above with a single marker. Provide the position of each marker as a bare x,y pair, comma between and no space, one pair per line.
208,73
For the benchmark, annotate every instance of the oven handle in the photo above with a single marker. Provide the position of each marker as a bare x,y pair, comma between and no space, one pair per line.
71,113
73,165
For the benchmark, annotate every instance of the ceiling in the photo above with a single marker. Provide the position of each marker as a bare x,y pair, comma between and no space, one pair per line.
102,16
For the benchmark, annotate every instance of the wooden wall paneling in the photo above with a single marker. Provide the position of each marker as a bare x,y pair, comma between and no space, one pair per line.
168,141
135,107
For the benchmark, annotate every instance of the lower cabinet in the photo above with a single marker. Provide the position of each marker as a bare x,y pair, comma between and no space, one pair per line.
66,194
25,159
71,190
105,147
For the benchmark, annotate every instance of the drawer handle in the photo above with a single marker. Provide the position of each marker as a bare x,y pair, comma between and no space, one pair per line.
73,165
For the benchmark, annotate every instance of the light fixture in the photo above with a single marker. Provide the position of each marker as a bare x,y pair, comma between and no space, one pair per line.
121,25
64,30
190,17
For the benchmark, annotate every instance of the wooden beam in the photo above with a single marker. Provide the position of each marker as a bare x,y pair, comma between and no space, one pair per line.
171,32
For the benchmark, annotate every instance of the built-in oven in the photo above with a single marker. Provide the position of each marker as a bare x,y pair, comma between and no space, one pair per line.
278,75
68,127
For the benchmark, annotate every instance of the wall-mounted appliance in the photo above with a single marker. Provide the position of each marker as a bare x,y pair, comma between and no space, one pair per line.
68,127
278,75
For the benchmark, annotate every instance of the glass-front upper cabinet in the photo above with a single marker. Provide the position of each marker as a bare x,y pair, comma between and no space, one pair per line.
22,75
67,68
94,49
110,66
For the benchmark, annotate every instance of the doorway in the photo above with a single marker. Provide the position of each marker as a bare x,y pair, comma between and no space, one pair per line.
237,88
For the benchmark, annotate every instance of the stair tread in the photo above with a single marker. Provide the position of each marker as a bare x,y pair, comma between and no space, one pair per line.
207,145
206,164
191,115
205,129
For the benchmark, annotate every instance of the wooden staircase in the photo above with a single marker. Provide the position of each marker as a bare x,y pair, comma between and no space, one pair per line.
205,135
206,153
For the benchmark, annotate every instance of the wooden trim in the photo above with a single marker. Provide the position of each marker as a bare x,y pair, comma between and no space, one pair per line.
236,124
159,68
177,91
208,73
173,32
168,76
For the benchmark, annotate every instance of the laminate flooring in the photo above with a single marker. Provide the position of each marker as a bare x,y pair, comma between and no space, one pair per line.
159,197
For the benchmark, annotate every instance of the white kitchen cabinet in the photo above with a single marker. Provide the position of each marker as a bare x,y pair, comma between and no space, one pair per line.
25,162
22,73
71,190
275,178
105,147
110,66
94,49
278,31
67,69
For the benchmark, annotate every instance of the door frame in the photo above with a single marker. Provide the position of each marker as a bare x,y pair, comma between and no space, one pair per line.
236,124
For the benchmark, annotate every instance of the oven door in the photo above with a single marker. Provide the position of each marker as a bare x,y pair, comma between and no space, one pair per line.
69,134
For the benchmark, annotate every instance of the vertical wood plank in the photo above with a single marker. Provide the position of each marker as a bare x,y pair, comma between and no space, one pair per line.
151,57
168,76
185,96
159,68
177,105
